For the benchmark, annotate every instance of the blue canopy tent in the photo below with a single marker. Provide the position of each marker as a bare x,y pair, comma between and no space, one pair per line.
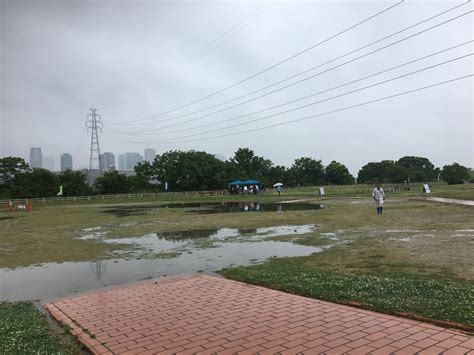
244,183
237,182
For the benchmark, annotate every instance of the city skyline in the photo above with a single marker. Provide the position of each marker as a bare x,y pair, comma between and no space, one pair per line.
108,160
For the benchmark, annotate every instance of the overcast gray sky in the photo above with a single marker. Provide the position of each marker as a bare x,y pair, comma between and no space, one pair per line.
134,59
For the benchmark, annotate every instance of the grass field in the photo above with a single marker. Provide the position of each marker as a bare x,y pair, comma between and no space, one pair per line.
415,258
24,330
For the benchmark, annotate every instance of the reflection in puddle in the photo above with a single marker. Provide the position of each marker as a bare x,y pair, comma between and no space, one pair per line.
56,280
245,233
229,207
98,267
230,247
215,207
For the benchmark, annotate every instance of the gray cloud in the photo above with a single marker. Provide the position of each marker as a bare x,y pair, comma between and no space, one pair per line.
133,59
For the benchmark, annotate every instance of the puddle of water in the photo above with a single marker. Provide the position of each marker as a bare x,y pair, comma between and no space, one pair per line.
56,280
330,236
403,230
232,207
150,242
128,224
153,255
92,233
125,211
232,233
407,239
187,234
213,207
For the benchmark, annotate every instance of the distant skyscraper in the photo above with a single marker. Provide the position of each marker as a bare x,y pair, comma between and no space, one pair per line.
48,163
66,162
107,161
150,155
128,161
36,158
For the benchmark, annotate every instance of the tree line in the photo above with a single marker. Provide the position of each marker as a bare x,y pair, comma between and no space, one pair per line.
196,170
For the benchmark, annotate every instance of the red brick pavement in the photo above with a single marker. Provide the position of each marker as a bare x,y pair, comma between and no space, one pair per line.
208,315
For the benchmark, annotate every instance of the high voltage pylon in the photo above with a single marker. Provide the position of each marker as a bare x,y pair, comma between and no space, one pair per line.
94,123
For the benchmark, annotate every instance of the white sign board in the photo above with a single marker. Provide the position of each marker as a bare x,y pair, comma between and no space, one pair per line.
426,189
321,191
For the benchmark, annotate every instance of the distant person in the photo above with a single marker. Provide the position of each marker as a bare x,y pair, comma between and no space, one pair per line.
245,190
279,190
255,191
379,198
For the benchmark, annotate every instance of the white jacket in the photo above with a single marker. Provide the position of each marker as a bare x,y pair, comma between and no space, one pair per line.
378,194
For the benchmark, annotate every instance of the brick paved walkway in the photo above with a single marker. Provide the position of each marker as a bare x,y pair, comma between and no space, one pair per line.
205,314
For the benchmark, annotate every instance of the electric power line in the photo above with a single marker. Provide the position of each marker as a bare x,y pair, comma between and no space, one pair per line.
301,98
230,32
270,67
317,102
325,113
309,77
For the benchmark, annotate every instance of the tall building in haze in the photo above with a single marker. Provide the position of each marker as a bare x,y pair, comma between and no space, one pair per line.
128,161
150,155
66,162
36,158
48,163
107,161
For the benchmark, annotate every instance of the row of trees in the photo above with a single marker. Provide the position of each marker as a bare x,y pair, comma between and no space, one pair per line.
194,170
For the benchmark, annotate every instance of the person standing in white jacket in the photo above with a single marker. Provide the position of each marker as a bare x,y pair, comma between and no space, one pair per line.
379,198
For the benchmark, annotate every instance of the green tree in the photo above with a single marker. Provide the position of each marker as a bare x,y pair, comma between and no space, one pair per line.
338,174
386,171
10,167
192,170
112,183
74,183
145,178
308,171
36,183
246,165
418,169
455,174
278,173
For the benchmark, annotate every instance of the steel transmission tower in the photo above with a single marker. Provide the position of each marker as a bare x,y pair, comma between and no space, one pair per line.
94,124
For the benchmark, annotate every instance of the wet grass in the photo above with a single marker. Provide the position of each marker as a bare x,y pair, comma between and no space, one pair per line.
24,330
49,233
